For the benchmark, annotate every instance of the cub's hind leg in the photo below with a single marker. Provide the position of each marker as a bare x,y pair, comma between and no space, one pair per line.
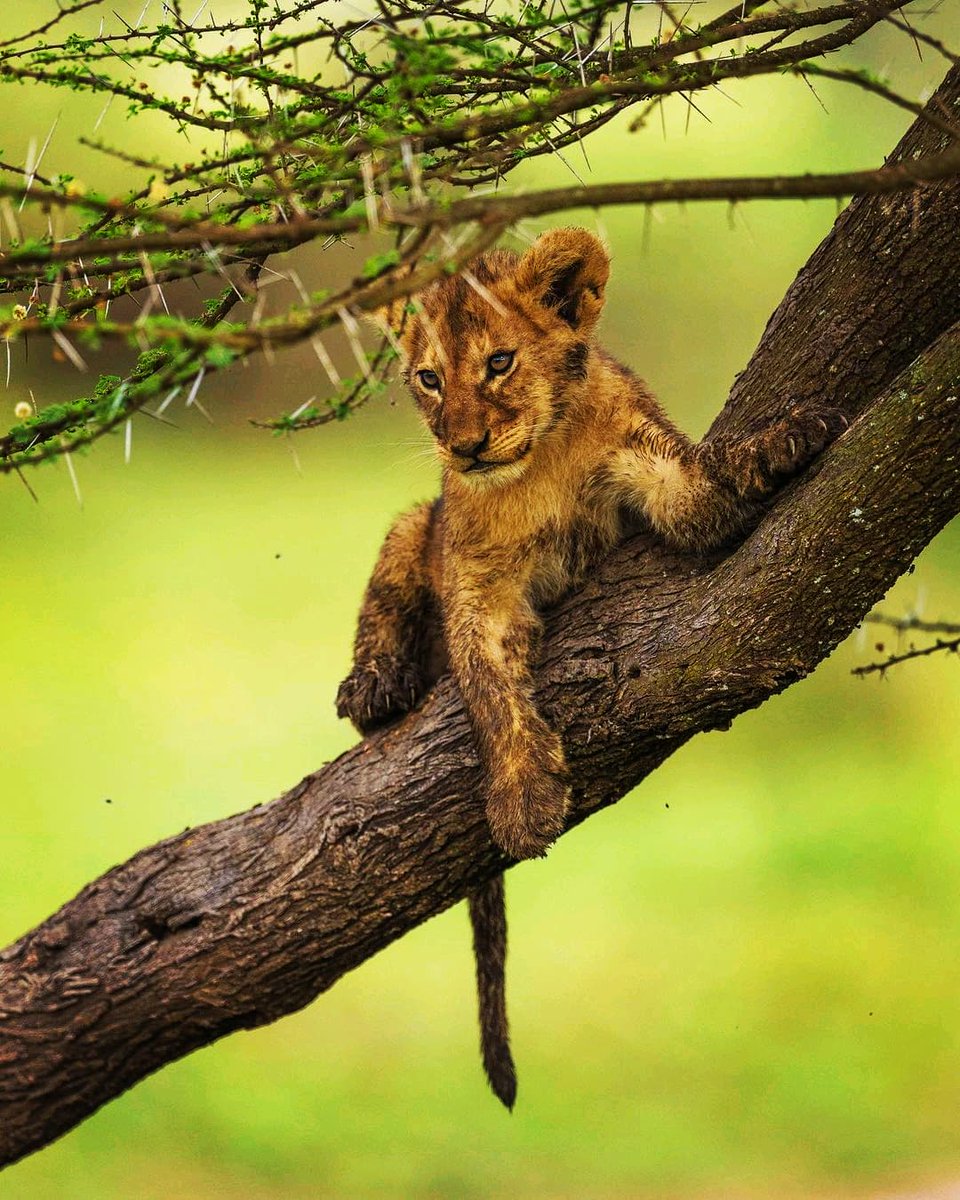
701,496
390,673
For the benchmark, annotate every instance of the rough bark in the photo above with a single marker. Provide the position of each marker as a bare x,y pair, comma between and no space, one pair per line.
235,923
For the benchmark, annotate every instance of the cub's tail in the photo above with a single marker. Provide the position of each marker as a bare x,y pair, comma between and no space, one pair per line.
488,916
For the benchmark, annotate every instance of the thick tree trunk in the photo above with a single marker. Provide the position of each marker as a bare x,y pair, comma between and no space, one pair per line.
233,924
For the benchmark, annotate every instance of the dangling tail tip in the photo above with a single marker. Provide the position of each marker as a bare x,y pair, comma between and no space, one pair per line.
504,1087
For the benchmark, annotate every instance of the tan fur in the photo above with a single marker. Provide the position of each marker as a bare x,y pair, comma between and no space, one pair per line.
574,443
545,463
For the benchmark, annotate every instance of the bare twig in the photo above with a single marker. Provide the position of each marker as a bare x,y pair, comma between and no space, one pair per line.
906,624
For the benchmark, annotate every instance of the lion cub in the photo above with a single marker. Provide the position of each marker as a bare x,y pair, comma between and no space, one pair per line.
549,447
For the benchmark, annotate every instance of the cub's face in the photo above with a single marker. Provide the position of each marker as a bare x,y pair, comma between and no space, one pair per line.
495,356
483,382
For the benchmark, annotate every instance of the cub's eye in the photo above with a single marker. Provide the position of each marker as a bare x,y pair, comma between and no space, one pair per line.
430,380
501,362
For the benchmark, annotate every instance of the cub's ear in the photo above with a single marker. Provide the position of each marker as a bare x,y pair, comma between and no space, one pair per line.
395,321
391,315
566,270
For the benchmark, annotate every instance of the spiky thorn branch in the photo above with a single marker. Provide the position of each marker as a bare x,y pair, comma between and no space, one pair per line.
431,100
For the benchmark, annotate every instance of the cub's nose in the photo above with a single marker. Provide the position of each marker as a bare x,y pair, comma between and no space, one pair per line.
471,449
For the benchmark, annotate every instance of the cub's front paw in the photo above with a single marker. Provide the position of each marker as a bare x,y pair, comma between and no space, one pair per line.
528,797
379,691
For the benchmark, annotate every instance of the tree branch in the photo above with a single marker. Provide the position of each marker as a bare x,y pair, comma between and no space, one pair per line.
288,235
236,923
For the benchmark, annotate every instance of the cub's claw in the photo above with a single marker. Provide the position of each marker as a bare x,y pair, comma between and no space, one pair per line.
379,691
787,447
808,431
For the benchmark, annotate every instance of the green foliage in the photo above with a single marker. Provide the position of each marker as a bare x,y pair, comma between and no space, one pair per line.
306,125
149,363
378,263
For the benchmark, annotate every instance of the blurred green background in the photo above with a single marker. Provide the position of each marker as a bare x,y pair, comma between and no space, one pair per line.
742,981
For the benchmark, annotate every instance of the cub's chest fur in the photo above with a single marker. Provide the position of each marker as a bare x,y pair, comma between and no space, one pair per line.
545,443
547,527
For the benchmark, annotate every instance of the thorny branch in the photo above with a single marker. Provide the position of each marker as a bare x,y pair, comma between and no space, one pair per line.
306,129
